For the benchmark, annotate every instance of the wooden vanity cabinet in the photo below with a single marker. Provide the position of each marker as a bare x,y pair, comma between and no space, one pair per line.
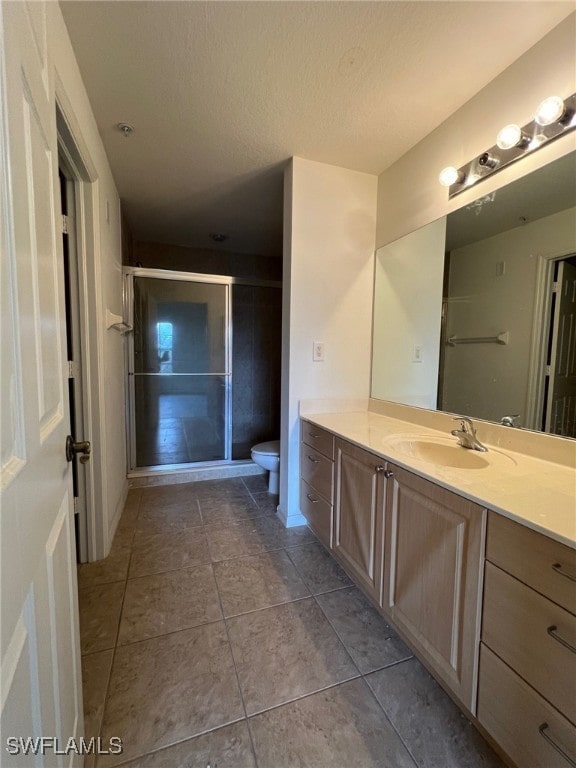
359,515
317,480
432,582
527,681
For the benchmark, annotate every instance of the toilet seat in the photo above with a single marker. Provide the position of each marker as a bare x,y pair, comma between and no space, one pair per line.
272,448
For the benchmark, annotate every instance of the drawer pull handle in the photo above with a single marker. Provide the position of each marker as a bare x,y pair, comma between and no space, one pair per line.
542,730
558,568
313,460
314,434
552,631
311,498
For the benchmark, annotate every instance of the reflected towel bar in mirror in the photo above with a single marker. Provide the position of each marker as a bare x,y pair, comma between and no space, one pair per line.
502,338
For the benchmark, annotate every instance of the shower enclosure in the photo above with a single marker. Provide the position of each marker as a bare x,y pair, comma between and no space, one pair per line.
203,368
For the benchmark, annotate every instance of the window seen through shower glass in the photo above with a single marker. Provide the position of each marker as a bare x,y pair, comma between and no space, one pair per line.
180,371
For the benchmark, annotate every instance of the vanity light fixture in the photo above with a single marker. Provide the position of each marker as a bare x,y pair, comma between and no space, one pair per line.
550,111
449,176
510,136
553,118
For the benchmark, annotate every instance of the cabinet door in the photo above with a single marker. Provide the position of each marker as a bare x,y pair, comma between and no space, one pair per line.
358,515
433,580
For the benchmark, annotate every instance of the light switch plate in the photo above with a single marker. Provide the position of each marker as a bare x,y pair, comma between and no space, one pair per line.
318,351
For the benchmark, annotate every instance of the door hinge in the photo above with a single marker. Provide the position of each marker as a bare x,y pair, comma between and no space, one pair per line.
64,224
75,500
547,370
555,287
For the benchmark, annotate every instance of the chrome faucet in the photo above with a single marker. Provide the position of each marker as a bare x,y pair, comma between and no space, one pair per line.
509,421
467,434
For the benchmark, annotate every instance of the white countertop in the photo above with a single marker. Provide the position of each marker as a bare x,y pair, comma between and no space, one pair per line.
539,494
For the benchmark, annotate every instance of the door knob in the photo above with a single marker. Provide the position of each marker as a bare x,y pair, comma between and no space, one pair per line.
73,449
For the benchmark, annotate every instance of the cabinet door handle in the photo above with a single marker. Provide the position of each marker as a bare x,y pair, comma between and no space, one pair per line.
379,468
542,731
558,568
313,460
311,498
553,632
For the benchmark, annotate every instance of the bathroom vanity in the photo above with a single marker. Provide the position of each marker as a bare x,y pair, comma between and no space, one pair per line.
480,582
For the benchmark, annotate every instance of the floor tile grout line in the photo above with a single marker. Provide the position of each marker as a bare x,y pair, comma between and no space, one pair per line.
388,666
170,633
107,692
305,696
172,570
267,607
227,629
177,743
406,747
363,674
314,594
337,635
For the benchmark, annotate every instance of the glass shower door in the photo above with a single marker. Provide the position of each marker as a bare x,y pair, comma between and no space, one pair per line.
179,373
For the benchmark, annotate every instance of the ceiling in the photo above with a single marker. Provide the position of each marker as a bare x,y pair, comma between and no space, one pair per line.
543,192
221,94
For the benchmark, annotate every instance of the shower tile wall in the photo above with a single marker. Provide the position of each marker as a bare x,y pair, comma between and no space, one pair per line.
256,354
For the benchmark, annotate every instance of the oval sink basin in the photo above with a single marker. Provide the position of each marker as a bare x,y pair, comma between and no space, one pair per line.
446,452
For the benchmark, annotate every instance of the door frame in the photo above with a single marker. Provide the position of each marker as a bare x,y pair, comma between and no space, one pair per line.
77,161
541,322
74,337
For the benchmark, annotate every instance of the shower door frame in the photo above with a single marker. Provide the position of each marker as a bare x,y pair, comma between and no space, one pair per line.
130,274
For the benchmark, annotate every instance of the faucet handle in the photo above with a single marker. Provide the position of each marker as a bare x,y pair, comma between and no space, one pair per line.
465,420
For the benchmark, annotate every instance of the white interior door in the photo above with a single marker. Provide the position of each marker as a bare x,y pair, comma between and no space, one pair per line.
561,406
40,663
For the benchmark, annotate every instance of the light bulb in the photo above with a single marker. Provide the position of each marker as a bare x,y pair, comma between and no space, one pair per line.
449,176
550,110
510,136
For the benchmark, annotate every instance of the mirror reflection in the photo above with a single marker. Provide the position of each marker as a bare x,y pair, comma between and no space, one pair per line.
476,313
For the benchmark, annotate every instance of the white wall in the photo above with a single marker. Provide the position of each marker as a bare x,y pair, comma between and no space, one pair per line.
407,309
491,380
409,194
329,238
102,286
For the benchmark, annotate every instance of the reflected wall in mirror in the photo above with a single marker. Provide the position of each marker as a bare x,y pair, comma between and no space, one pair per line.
476,313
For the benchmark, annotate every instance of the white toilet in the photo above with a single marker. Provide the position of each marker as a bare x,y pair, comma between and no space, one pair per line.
267,456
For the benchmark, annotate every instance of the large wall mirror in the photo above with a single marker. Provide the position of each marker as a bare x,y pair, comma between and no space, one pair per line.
476,313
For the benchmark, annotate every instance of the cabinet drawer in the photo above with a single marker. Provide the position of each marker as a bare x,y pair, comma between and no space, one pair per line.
317,470
318,438
542,563
517,625
317,511
520,720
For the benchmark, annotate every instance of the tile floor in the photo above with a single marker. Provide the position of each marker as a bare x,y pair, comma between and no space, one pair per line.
213,636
